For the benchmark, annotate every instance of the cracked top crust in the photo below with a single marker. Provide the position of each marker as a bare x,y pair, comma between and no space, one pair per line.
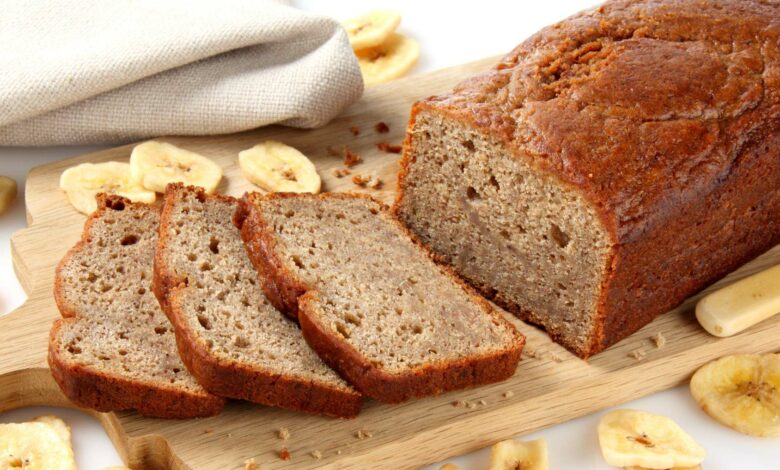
643,105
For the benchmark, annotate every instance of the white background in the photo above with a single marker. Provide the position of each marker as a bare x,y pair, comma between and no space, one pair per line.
450,33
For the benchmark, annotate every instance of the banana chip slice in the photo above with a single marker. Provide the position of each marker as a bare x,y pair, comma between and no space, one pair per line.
637,438
742,392
41,444
389,60
277,167
83,182
517,455
371,29
155,164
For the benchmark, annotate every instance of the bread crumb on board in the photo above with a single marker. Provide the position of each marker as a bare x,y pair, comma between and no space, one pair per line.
250,464
338,452
340,172
659,340
351,158
363,434
363,181
316,454
388,147
637,354
355,130
554,356
284,454
382,128
509,394
532,353
482,402
471,405
459,403
283,434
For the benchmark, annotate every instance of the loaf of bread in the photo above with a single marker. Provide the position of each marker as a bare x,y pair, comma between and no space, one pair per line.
609,167
371,301
230,337
114,349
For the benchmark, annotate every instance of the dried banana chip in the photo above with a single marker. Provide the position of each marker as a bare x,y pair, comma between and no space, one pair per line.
41,444
83,182
518,455
277,167
155,164
390,60
371,29
637,438
742,392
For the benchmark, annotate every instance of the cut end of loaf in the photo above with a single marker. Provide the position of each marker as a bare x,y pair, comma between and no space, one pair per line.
376,306
525,240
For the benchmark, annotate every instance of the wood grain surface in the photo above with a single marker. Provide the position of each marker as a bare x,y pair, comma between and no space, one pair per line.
550,386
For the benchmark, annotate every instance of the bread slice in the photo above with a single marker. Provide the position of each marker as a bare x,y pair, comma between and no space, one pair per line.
114,349
370,300
231,338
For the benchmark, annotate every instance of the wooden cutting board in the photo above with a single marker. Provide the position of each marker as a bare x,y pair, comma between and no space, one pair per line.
550,385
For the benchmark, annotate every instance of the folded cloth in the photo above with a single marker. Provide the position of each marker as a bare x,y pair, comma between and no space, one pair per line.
96,71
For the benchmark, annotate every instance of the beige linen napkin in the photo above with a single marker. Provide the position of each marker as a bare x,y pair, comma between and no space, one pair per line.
100,71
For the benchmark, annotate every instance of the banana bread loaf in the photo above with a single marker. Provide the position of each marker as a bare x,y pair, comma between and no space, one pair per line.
609,167
370,300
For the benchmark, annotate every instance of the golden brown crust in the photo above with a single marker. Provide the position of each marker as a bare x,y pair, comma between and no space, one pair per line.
664,115
234,379
366,377
278,284
91,388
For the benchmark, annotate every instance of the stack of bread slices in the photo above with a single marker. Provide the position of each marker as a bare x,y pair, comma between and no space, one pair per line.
304,302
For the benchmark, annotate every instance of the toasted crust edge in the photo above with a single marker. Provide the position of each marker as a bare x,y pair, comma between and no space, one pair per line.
94,389
103,392
373,382
232,379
